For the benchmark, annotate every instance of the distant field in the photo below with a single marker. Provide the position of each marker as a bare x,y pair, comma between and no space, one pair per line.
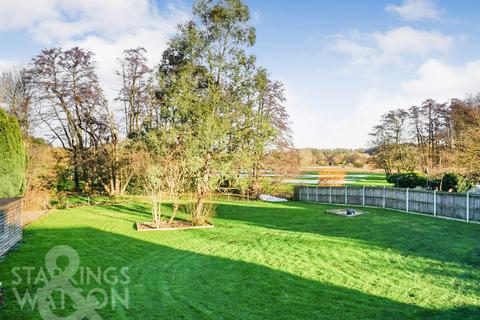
340,177
365,178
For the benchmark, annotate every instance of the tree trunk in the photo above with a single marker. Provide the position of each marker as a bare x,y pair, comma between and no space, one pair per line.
198,207
175,204
76,174
202,191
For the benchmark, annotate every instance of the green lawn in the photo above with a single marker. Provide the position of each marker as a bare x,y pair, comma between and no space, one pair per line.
352,178
268,261
367,179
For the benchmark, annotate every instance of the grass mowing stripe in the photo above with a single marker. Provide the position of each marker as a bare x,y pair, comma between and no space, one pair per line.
285,261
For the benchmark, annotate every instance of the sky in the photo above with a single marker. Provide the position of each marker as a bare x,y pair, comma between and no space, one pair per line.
344,63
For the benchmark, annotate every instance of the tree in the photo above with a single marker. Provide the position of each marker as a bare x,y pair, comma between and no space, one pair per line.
268,128
202,80
12,157
154,183
16,95
134,92
466,119
40,174
434,137
71,104
306,156
170,157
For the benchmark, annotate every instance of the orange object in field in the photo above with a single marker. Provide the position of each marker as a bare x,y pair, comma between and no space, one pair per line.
334,177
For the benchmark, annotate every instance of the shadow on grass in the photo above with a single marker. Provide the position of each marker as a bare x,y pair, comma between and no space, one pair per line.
142,209
167,283
408,234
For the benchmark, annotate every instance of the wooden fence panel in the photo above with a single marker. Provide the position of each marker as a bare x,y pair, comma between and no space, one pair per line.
447,204
355,195
338,195
474,208
374,196
421,201
452,205
323,195
395,198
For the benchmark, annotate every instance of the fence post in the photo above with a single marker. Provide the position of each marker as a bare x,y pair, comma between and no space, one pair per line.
346,195
330,195
434,203
468,207
384,191
300,193
308,194
316,194
363,196
88,199
406,205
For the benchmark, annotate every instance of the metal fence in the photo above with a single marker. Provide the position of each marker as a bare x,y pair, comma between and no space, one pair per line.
461,206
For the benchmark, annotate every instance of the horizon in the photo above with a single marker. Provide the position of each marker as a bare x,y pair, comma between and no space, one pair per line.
343,64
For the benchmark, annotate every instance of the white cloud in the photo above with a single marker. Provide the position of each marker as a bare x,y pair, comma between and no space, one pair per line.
25,14
438,80
408,41
434,79
105,27
371,50
416,10
323,127
53,21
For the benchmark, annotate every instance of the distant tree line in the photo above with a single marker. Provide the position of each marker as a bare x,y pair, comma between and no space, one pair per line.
433,139
196,122
333,157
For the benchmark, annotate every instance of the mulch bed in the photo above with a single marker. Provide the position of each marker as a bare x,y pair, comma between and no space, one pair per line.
175,225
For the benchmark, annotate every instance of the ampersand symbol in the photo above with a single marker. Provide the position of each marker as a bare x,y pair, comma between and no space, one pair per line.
85,308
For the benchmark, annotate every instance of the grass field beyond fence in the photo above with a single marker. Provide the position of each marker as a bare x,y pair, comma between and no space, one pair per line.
339,177
266,261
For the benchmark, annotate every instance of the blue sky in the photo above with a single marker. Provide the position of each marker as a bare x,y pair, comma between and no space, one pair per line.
344,63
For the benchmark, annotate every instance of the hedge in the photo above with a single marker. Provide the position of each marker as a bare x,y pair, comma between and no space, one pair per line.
12,157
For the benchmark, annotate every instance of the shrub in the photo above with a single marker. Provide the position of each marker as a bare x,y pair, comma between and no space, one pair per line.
209,212
12,157
407,180
455,182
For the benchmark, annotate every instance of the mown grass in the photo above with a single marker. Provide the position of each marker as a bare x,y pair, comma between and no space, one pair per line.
367,179
268,261
351,178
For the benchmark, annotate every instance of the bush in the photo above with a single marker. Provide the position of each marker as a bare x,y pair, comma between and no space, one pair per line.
407,180
450,182
12,157
455,182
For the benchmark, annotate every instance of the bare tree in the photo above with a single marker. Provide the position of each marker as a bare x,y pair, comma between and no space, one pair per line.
466,127
16,96
390,137
70,102
270,131
134,92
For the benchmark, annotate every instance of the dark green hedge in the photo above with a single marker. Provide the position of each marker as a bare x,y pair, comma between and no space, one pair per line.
449,182
407,180
12,157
